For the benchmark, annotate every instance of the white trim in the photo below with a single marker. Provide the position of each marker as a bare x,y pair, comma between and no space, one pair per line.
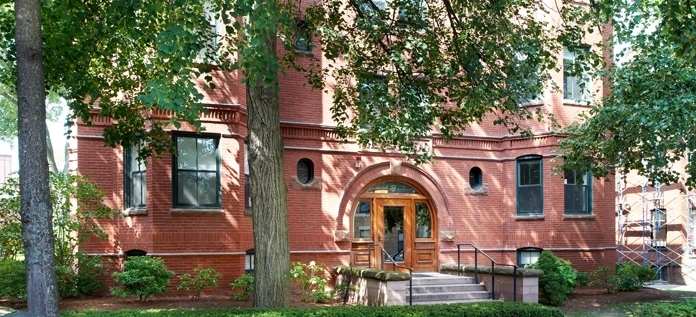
513,250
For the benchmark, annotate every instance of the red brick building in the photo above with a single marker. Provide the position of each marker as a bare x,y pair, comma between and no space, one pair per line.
487,187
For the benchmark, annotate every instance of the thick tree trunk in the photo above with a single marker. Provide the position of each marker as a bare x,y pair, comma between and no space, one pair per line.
268,194
37,231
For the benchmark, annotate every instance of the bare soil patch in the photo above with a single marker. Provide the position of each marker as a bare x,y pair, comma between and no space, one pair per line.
595,299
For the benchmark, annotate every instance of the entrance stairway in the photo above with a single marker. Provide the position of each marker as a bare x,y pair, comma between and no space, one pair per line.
436,288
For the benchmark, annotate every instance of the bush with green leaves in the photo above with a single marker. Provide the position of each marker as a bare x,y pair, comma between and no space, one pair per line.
245,284
13,283
604,277
311,279
201,279
631,277
76,203
142,276
559,280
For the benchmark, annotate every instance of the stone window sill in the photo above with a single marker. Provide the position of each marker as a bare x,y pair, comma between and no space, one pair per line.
579,217
135,212
575,103
193,211
529,218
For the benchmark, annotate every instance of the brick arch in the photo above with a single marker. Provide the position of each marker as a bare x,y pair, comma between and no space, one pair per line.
400,171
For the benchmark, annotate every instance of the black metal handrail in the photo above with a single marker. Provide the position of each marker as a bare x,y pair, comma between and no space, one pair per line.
493,264
370,248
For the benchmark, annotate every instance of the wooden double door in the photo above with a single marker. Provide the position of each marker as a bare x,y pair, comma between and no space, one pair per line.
405,227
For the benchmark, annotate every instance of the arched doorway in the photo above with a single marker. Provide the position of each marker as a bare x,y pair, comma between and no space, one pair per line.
398,217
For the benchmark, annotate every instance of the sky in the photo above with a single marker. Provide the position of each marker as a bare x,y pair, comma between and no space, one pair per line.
57,132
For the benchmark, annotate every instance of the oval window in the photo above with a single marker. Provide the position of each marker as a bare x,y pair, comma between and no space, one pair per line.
305,171
475,178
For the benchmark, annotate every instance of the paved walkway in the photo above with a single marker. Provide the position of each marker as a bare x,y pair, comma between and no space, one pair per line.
672,287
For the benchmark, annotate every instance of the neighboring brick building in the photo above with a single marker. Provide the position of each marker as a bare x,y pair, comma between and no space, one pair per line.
487,187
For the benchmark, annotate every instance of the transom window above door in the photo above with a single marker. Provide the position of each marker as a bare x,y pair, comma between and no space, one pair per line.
392,188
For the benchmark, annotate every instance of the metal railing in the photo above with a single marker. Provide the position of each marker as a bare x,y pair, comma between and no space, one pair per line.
493,264
371,248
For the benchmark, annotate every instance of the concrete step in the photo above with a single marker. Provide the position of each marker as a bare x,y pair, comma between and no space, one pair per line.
441,279
450,297
453,302
449,288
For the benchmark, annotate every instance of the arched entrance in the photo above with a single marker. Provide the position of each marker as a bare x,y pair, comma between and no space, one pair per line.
398,217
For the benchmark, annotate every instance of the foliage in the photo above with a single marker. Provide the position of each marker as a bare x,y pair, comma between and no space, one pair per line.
246,284
76,202
312,280
631,277
380,100
483,309
604,277
13,283
647,123
559,280
203,278
142,276
680,309
82,279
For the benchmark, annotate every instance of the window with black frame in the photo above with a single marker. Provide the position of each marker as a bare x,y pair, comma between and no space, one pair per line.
577,192
135,179
530,197
196,172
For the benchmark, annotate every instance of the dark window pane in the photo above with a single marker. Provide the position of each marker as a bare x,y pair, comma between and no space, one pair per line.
186,188
207,188
530,199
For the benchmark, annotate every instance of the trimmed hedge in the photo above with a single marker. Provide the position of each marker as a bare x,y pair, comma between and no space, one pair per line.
482,309
499,270
372,273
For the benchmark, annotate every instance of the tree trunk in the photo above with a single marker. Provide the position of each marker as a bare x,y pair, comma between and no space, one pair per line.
37,231
268,194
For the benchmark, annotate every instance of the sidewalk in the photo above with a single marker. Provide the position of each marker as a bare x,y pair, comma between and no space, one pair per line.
672,287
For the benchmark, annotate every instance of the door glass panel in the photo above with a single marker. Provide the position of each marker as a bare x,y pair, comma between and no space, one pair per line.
392,188
394,232
423,223
361,221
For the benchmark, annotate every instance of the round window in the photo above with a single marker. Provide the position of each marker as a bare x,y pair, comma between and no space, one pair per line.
305,171
475,178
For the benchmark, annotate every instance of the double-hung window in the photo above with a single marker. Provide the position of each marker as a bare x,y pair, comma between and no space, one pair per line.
135,179
196,172
577,192
530,196
576,79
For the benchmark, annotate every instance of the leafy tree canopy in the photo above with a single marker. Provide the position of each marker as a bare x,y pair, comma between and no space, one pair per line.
648,122
409,66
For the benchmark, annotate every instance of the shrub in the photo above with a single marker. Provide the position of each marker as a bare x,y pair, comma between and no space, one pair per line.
81,280
203,278
631,277
246,284
603,277
312,280
142,276
13,283
559,280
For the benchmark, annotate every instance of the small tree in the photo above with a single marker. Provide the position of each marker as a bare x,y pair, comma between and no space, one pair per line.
203,278
142,276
